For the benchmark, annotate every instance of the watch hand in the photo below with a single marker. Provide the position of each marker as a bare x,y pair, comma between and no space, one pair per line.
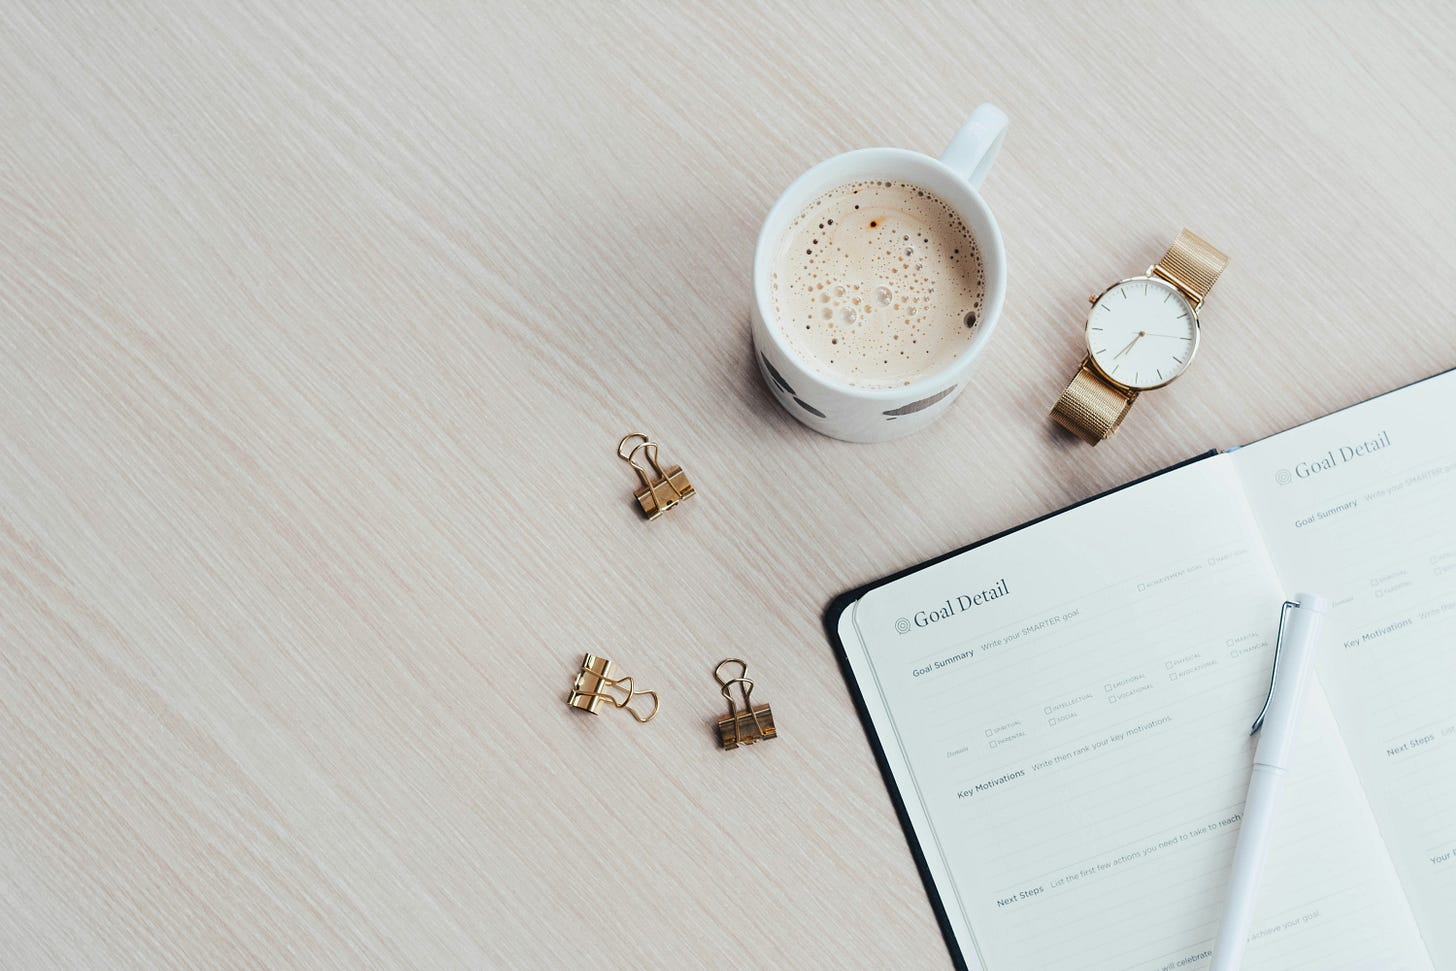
1179,337
1129,345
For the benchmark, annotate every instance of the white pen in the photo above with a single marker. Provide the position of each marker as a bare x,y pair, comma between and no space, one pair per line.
1278,726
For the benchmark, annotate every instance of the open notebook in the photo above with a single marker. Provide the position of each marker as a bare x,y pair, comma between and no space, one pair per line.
1062,712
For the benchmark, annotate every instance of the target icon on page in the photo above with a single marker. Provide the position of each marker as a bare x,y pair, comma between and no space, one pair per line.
903,625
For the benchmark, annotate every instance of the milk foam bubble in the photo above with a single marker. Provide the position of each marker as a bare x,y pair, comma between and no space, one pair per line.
877,284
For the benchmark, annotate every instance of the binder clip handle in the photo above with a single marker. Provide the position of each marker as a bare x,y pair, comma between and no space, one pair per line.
623,452
632,693
725,682
648,449
744,684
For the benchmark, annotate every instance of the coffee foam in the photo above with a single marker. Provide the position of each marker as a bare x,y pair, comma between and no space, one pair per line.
877,284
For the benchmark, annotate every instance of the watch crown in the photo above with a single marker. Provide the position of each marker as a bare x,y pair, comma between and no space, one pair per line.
1092,298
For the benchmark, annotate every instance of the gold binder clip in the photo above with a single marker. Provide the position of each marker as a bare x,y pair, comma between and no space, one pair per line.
754,722
657,495
596,682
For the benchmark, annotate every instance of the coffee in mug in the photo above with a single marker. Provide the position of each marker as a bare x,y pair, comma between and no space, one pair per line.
878,284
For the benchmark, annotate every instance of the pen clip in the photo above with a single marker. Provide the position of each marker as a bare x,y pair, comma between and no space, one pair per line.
1274,668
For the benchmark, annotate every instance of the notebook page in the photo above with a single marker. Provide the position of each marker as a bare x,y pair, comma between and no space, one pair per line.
1358,506
1066,714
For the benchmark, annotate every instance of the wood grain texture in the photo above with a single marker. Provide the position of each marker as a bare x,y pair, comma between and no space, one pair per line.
319,323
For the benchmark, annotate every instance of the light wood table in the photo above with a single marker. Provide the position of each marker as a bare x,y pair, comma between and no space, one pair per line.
319,323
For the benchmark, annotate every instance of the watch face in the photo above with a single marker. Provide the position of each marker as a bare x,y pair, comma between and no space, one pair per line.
1142,333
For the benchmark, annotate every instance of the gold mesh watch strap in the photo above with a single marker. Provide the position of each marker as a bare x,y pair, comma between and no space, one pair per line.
1090,407
1191,265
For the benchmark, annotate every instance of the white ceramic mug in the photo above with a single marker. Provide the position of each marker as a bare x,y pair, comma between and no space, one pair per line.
874,414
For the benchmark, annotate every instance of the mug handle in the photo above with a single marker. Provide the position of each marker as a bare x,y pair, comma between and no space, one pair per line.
974,147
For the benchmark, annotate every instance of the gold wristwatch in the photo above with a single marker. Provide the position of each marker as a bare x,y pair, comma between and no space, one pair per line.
1142,333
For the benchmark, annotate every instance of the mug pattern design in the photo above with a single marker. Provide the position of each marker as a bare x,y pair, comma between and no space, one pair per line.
777,382
920,405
